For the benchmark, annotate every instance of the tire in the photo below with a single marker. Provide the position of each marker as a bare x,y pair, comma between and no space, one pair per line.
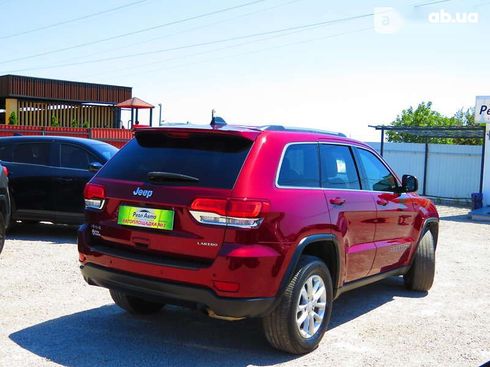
12,225
282,328
134,305
420,277
2,231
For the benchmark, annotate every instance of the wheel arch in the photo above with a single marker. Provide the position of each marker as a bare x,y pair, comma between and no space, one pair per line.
323,246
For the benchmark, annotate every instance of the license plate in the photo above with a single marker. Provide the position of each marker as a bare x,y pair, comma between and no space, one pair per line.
146,217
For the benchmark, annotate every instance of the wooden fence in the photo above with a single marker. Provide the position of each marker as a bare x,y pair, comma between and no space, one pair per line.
116,137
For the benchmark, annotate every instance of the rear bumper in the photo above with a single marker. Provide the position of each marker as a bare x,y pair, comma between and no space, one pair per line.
171,292
255,269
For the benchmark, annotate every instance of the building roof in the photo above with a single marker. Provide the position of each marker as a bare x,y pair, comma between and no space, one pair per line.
134,103
17,86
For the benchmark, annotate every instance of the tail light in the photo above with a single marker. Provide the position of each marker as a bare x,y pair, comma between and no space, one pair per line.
5,171
242,213
94,196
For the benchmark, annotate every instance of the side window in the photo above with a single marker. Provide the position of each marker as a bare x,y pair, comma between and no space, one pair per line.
378,177
300,166
33,153
74,157
338,168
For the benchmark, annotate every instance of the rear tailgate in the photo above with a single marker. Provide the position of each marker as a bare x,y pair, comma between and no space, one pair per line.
152,217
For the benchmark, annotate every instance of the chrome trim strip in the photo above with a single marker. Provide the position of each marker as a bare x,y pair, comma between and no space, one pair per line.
225,221
93,207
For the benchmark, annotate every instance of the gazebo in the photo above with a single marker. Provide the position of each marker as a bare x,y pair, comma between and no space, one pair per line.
135,104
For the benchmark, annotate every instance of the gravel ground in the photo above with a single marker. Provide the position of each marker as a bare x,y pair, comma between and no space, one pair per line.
49,316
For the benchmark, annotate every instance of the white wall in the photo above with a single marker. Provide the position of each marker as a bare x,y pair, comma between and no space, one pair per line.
453,171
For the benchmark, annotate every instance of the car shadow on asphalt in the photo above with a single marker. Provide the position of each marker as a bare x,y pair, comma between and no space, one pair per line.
177,336
46,232
360,301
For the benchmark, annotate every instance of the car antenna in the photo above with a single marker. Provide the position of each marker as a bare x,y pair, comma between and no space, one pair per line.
216,121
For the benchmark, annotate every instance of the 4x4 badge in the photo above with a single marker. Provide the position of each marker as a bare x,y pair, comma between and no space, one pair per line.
140,192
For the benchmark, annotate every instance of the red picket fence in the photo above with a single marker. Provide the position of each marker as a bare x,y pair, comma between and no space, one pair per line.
116,137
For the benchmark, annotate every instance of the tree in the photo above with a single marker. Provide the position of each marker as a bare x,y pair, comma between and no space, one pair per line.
13,119
54,121
425,116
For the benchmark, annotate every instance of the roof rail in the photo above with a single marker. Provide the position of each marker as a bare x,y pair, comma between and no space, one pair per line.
300,129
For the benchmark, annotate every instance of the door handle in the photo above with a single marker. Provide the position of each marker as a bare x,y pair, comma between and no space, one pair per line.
337,201
382,202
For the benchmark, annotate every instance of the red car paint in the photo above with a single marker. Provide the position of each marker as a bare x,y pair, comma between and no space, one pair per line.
375,231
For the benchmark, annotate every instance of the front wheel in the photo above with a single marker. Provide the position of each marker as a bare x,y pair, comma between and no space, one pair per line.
133,304
420,277
301,318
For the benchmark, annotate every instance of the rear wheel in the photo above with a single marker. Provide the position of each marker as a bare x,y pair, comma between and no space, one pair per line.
420,277
133,304
301,318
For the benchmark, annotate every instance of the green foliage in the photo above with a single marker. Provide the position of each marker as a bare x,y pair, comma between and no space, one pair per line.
425,116
74,123
13,119
54,121
85,125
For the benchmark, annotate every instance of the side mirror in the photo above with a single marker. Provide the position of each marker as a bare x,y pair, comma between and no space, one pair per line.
410,183
94,166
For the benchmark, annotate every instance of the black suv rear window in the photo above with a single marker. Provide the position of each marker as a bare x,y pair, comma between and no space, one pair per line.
214,160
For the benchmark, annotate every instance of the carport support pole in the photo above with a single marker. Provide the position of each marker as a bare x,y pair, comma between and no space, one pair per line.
382,148
483,159
426,160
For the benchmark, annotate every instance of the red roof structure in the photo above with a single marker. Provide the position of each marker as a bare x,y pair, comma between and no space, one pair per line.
134,103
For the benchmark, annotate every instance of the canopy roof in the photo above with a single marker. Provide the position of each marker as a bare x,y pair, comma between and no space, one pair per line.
134,103
436,132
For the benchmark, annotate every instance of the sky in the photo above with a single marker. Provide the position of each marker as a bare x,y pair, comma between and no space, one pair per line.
324,64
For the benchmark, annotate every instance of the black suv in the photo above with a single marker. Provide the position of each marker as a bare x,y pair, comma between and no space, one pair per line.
47,175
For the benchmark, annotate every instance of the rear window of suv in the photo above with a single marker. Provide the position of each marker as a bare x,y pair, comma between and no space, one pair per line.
215,160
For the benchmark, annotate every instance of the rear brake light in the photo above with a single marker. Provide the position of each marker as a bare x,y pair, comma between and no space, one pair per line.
240,213
5,170
244,208
94,196
217,206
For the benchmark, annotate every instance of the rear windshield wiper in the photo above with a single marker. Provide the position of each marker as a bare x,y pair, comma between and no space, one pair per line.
170,177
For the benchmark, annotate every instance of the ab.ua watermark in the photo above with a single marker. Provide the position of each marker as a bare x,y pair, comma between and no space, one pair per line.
444,17
389,20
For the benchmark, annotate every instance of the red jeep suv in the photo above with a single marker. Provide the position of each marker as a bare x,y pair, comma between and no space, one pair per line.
244,222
